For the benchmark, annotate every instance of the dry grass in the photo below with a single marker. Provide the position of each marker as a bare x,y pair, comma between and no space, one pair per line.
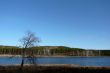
53,69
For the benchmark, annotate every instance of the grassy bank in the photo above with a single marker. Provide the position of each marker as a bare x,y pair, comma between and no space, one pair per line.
53,69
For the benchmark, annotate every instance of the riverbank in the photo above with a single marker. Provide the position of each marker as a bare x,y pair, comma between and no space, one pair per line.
8,55
53,69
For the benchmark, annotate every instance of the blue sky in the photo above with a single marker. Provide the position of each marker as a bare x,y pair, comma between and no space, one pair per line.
72,23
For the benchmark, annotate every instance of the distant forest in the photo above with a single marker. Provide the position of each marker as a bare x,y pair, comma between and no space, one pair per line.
53,51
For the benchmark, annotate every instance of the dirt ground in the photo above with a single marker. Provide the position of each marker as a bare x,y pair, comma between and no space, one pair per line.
53,69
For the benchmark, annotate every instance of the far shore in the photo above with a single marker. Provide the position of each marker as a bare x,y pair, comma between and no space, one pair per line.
9,55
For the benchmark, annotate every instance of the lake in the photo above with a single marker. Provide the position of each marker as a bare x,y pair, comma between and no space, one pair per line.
82,61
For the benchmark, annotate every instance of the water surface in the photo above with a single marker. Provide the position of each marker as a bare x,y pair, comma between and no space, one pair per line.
83,61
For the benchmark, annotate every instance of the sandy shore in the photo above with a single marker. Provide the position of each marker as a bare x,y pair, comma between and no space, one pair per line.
8,55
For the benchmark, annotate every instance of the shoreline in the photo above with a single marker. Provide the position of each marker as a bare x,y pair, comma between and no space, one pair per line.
58,65
8,55
47,65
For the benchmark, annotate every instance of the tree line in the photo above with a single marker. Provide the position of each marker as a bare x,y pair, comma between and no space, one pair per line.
53,51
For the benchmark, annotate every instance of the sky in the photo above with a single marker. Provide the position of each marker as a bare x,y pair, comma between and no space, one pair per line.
73,23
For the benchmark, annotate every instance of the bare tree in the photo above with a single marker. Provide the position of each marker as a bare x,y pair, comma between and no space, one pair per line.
28,41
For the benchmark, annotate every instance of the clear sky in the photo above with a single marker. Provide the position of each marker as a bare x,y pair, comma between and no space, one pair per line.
72,23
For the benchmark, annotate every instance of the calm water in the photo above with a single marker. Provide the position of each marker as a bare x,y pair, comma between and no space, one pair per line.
83,61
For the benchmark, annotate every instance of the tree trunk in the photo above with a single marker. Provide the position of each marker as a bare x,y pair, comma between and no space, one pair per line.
22,63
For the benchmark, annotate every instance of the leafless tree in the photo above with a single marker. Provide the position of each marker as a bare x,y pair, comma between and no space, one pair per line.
28,41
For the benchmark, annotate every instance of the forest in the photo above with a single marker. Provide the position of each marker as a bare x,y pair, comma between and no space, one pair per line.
53,51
